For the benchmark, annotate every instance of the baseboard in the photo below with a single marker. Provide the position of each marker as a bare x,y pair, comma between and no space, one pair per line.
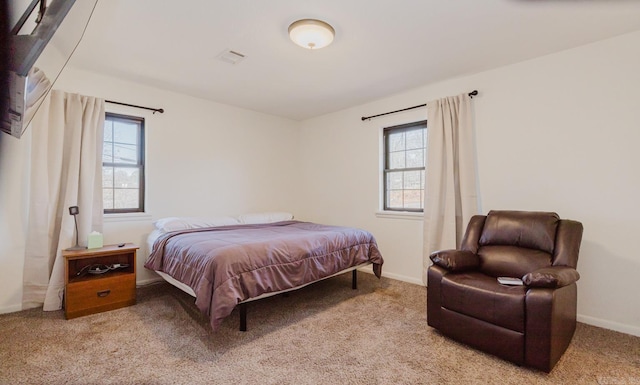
367,270
403,278
149,281
397,277
611,325
10,309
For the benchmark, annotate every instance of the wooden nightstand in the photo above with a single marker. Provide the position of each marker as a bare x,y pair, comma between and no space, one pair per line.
87,292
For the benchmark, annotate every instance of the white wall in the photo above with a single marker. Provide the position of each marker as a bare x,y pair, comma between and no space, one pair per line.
13,219
558,133
202,159
12,162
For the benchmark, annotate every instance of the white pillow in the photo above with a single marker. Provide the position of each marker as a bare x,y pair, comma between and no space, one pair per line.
256,218
183,223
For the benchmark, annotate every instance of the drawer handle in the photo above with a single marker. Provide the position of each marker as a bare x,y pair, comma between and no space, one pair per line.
104,293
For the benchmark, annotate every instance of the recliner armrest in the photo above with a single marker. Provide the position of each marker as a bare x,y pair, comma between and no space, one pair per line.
455,260
551,277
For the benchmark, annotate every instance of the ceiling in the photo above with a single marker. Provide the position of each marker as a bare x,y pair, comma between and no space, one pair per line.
381,47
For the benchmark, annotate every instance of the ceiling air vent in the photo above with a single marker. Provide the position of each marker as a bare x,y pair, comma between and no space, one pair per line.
231,57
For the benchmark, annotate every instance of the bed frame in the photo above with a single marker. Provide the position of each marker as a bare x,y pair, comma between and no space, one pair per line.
242,306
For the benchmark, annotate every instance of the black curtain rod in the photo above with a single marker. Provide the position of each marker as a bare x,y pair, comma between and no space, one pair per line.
160,110
471,95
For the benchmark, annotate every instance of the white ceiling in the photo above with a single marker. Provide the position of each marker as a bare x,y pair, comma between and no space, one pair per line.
381,47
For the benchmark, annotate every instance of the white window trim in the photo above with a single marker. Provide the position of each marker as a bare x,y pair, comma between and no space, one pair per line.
410,215
126,217
391,214
132,215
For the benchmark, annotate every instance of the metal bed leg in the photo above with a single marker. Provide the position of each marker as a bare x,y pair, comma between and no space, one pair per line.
243,317
243,306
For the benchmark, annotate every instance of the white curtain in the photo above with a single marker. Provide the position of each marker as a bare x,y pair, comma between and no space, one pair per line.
450,191
66,170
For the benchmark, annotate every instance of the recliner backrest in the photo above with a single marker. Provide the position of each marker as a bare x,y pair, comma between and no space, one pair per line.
514,243
532,230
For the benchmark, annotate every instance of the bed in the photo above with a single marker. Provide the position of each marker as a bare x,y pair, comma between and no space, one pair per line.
231,264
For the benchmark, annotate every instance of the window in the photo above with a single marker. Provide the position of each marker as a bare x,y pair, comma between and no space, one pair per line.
405,151
123,164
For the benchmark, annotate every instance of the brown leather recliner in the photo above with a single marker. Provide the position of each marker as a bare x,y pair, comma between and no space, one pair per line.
530,325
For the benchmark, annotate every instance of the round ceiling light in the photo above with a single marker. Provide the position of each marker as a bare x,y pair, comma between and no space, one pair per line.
311,33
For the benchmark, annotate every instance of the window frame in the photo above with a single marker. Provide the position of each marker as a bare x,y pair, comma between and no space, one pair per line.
140,165
386,132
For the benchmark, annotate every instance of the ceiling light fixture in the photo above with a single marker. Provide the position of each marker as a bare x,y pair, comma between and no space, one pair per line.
311,33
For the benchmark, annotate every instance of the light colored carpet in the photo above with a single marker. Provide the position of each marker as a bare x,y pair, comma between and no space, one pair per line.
323,334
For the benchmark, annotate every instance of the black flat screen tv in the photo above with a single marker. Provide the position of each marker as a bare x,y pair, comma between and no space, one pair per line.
40,45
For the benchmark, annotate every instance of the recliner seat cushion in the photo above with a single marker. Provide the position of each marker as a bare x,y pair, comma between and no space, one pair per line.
480,296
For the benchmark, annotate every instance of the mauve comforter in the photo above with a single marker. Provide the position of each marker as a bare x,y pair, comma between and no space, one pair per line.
227,265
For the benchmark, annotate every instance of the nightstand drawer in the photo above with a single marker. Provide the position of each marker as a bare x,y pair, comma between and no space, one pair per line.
97,295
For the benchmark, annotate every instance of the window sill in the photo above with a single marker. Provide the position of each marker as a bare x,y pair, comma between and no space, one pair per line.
126,217
400,215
